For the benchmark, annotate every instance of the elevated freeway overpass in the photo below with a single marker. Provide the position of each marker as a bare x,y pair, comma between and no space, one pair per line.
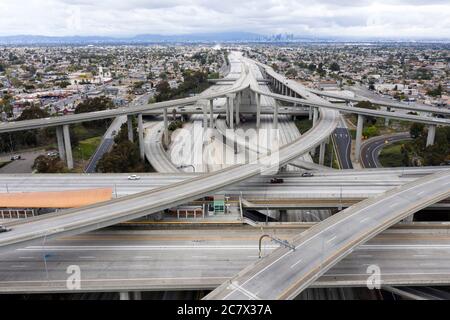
145,203
286,272
168,259
328,189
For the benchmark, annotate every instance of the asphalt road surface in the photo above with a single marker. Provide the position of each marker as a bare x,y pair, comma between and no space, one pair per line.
23,165
114,260
370,151
286,272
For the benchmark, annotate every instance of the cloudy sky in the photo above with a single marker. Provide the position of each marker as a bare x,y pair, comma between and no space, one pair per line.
360,18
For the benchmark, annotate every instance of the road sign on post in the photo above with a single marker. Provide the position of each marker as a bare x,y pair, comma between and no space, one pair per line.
219,204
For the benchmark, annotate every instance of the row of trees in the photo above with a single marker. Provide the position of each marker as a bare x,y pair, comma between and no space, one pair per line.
194,82
48,164
125,156
30,138
416,150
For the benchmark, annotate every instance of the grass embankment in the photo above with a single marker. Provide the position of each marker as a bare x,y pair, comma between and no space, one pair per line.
391,155
2,164
86,148
303,125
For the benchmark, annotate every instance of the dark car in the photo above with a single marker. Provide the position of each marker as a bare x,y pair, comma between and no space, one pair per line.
276,180
307,174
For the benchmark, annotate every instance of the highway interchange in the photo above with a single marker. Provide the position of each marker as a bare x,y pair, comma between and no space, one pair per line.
327,242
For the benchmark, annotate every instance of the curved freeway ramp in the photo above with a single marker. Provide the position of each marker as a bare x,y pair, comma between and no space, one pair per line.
154,150
127,208
287,272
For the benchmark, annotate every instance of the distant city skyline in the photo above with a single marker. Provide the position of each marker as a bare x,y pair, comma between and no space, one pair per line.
414,19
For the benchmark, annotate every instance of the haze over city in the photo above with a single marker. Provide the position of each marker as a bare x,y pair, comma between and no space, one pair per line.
413,19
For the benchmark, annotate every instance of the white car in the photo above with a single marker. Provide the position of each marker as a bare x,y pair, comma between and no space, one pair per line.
53,154
4,229
134,177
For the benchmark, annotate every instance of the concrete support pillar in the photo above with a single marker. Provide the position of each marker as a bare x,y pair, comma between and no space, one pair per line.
68,146
166,127
130,127
211,113
238,106
227,110
258,110
137,295
315,115
275,116
431,135
386,120
124,295
60,139
205,115
310,113
359,130
323,147
231,112
141,136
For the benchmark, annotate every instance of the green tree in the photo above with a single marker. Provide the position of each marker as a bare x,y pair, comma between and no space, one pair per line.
335,67
95,104
292,72
45,164
416,130
33,112
437,92
370,132
367,105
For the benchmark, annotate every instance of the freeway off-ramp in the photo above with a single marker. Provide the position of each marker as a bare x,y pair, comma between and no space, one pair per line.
371,149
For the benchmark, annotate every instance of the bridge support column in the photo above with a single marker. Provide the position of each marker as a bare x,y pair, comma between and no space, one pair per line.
205,115
323,147
231,112
310,113
431,135
60,139
258,110
386,120
130,127
141,136
315,116
227,111
238,106
359,130
166,127
124,295
275,116
211,113
137,295
68,146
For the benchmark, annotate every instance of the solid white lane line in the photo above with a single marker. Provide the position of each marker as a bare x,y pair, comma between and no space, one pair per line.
296,263
330,240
